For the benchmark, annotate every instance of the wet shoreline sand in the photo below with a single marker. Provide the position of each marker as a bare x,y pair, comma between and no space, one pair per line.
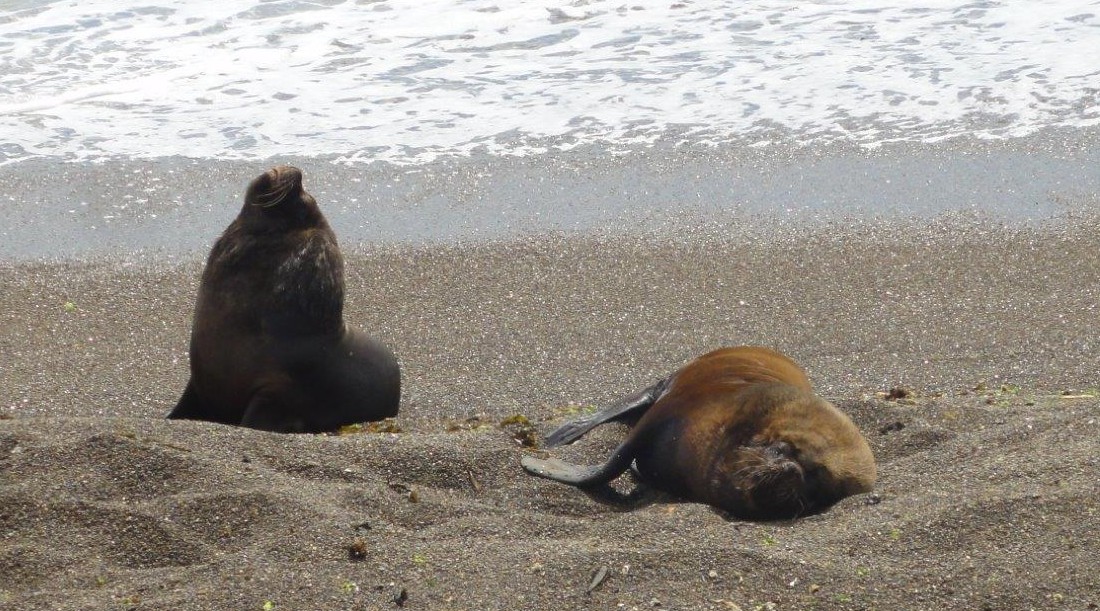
170,209
987,494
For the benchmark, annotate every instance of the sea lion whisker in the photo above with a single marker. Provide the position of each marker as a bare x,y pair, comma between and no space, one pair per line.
800,506
744,471
273,197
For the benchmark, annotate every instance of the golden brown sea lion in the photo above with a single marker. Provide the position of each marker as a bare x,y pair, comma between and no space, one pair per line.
737,428
269,348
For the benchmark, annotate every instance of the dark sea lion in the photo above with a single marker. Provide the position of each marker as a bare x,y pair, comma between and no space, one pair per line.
269,347
738,429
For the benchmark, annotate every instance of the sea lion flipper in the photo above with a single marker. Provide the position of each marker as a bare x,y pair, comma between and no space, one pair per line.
628,410
582,476
188,405
278,409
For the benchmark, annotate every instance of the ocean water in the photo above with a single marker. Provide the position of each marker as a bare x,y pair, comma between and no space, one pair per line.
409,81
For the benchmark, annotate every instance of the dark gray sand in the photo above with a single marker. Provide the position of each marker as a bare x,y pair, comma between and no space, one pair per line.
988,493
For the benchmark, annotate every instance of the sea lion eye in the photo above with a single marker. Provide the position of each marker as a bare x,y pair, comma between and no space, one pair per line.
779,449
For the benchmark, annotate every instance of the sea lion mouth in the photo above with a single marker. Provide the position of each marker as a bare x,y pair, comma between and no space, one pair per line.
273,186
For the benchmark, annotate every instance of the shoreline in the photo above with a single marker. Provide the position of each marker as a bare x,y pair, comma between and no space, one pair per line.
174,207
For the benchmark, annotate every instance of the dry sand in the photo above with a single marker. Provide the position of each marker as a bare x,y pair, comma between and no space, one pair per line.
987,497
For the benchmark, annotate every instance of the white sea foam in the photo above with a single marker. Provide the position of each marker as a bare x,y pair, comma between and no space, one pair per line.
407,80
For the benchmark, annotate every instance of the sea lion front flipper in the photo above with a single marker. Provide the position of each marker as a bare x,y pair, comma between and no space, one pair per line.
581,476
188,406
628,409
280,408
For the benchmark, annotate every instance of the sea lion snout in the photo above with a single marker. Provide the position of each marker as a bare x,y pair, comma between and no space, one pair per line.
274,186
773,464
286,174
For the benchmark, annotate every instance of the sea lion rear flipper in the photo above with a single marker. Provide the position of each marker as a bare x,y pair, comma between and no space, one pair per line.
581,476
628,409
188,405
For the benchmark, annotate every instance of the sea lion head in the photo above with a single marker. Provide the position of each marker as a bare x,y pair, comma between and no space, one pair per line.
763,480
276,198
808,456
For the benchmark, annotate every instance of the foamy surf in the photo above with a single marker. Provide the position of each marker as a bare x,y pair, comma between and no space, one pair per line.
408,81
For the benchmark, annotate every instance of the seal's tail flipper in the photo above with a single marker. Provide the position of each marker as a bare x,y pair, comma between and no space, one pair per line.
188,405
628,410
581,476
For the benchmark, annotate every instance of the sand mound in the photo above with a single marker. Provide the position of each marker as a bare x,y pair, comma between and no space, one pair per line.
985,501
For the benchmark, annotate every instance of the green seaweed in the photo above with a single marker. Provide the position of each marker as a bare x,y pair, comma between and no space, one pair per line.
389,425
